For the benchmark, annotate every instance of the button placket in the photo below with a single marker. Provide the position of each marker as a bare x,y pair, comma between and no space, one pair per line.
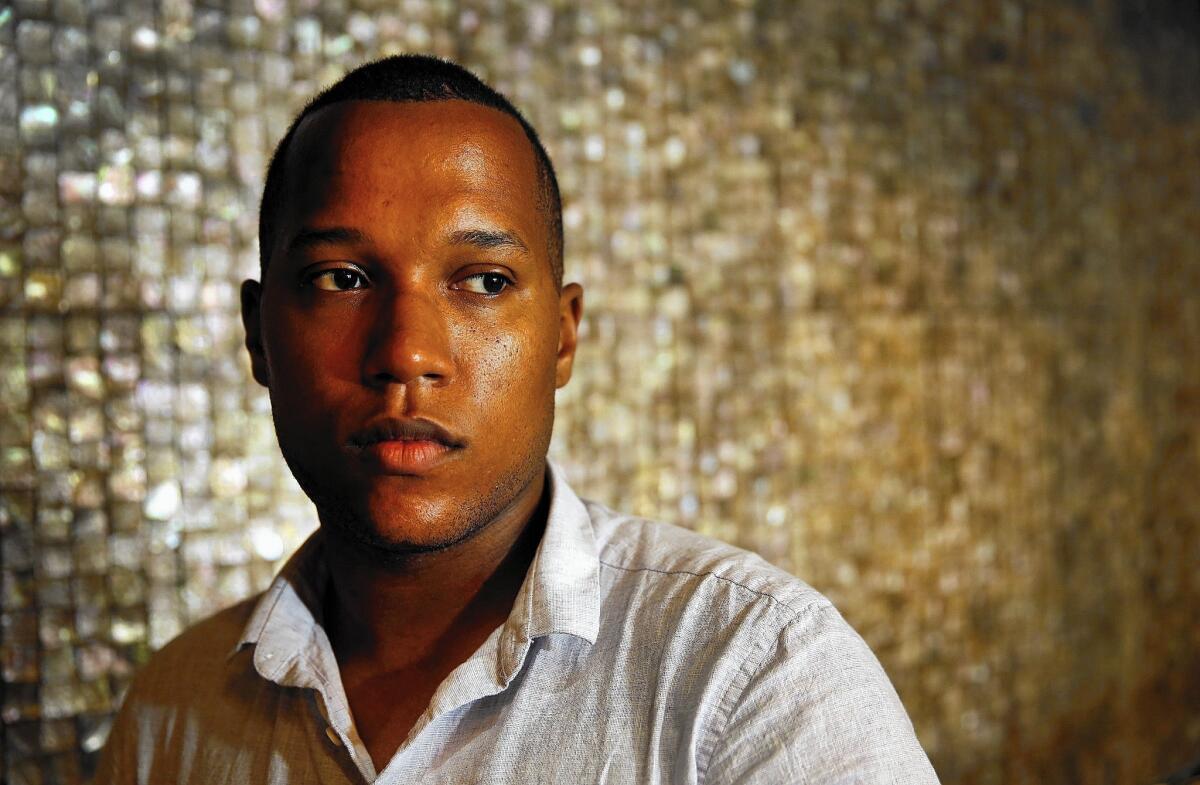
330,733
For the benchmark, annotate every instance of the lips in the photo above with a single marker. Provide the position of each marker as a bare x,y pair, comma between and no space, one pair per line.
403,446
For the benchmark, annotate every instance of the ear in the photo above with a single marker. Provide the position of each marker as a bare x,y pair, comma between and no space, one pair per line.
570,312
252,321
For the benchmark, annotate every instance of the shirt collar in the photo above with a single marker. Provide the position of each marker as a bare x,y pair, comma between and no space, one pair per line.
560,594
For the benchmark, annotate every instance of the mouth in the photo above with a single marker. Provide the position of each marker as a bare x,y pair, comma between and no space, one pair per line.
399,446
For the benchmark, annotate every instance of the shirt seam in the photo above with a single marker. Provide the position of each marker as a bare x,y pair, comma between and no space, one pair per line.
818,602
727,708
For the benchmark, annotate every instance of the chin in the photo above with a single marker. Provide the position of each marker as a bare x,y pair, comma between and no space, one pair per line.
392,543
400,526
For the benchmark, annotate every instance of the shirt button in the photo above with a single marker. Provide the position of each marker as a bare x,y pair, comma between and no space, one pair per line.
333,737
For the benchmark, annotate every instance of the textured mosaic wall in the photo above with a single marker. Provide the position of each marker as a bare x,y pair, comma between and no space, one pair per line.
903,295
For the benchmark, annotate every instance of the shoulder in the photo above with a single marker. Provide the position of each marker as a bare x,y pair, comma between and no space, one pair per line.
202,652
674,568
182,684
795,694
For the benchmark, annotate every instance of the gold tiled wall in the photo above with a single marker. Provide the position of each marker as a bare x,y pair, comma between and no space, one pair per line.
903,295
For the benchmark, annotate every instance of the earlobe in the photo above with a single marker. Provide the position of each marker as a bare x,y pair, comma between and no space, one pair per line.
570,313
252,322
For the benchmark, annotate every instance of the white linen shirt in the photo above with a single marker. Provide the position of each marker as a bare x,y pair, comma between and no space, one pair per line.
636,652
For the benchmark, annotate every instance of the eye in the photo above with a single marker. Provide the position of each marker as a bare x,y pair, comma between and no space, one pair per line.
486,283
339,279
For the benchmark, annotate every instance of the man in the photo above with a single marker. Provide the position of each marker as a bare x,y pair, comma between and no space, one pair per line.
461,615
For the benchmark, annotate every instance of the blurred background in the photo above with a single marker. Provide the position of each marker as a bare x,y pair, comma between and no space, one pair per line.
902,294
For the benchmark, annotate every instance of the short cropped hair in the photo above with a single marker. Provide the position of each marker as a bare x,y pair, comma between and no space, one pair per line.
412,78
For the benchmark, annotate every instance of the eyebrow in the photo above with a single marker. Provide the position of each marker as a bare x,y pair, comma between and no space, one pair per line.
338,235
487,238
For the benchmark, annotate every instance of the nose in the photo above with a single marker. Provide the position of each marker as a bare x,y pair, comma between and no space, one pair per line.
409,342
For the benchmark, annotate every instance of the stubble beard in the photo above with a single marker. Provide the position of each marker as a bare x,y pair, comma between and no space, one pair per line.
348,520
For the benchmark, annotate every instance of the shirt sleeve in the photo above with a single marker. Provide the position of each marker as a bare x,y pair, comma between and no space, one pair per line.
818,709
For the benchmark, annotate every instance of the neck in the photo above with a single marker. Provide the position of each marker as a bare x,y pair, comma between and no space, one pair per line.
429,605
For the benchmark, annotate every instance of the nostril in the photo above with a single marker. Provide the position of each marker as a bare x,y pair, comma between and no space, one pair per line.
430,369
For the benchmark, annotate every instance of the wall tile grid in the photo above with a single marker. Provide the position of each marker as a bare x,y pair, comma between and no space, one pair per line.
900,294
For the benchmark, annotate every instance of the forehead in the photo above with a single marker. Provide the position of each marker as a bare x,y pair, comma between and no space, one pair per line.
433,153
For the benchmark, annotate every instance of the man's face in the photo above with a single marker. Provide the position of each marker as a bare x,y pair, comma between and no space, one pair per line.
408,327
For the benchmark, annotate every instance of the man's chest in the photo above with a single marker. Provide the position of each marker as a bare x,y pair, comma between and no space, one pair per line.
549,725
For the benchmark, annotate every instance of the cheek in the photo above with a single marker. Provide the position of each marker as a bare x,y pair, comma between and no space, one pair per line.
495,363
512,372
302,350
